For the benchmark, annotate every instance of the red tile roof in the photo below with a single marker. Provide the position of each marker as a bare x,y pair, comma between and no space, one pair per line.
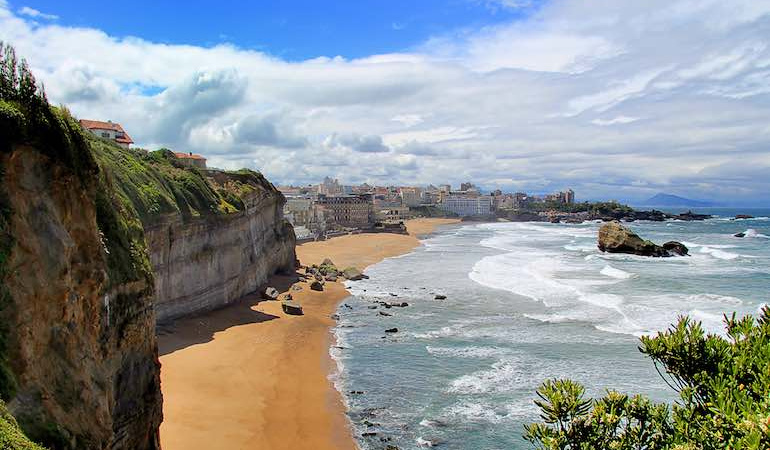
188,156
99,125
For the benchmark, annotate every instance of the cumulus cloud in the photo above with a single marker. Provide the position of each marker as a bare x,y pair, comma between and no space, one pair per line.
358,143
614,99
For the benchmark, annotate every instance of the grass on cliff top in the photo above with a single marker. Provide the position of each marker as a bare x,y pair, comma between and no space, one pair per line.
155,184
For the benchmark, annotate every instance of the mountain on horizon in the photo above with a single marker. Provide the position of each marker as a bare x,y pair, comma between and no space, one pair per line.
663,199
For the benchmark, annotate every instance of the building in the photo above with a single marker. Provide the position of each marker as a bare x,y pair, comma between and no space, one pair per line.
108,130
394,214
191,160
410,196
348,211
330,186
304,212
468,206
568,196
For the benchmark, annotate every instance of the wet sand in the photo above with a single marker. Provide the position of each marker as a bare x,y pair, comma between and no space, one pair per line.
251,377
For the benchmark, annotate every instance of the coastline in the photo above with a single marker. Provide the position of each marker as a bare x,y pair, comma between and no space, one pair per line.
257,378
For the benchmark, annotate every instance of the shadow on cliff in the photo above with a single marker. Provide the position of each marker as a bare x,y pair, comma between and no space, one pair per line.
200,329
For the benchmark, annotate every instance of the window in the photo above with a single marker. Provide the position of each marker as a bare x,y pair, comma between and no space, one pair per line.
105,135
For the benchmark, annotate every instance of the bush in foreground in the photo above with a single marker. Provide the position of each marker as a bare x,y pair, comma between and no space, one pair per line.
724,396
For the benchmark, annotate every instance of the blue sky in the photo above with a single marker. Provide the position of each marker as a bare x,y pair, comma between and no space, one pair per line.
614,99
292,29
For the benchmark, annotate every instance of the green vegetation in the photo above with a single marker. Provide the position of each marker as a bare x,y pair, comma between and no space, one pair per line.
724,396
11,436
595,208
155,184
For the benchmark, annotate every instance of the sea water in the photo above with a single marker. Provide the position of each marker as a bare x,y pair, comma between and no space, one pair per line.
527,302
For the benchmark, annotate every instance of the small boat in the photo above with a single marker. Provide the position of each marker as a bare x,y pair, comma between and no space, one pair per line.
290,307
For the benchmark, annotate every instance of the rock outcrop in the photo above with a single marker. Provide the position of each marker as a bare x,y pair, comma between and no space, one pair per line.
83,370
615,238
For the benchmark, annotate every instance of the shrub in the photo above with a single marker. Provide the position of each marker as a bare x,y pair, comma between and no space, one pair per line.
723,386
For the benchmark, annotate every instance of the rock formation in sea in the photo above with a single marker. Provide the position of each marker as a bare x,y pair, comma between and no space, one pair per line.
616,238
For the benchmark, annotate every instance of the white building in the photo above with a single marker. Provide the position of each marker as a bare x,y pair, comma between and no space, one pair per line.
108,130
468,206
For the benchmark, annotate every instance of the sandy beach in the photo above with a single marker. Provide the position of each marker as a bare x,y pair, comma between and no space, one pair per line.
251,377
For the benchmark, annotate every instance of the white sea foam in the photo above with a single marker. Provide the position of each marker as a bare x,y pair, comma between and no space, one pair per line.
616,273
424,442
719,254
467,352
752,233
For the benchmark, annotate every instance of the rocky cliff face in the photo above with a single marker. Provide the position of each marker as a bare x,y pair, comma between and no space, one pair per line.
206,263
82,349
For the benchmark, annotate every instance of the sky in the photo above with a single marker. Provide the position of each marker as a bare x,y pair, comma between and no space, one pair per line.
614,99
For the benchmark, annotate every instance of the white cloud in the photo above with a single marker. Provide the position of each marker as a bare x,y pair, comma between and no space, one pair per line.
614,121
543,103
31,12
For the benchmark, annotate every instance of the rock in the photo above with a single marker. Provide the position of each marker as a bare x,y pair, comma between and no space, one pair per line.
392,330
743,216
440,297
383,313
353,274
615,238
331,278
741,234
369,434
270,293
317,286
690,216
290,307
372,307
319,277
296,287
327,262
393,295
676,248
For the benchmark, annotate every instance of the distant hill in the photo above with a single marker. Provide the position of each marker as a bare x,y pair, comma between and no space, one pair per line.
671,200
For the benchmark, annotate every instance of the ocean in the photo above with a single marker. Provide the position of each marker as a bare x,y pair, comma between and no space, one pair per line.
527,302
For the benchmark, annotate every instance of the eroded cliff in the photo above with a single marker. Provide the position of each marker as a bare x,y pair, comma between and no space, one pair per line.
78,356
207,263
213,236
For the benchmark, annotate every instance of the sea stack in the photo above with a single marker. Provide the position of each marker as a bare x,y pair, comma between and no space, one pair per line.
615,238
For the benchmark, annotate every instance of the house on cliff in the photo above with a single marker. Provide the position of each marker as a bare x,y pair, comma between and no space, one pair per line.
108,130
191,160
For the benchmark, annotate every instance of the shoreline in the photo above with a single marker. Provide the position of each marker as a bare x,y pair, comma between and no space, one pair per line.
260,379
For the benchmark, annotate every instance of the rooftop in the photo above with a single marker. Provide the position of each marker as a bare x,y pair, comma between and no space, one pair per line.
123,138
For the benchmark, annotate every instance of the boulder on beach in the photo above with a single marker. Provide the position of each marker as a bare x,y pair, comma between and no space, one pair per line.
741,234
353,274
440,297
331,278
615,238
392,330
270,293
327,262
317,285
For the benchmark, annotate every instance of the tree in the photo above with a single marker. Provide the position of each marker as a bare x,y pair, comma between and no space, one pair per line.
723,386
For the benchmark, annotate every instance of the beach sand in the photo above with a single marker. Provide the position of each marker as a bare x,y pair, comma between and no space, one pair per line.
249,376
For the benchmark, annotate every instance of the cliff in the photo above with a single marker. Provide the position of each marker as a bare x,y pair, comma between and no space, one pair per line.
78,355
213,236
79,288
